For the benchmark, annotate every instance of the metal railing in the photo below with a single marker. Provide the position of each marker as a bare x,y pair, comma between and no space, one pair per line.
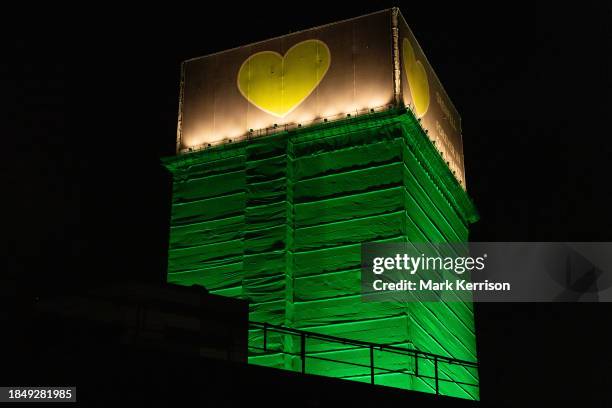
420,357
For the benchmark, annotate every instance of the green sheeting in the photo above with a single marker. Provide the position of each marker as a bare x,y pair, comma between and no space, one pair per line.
279,221
350,207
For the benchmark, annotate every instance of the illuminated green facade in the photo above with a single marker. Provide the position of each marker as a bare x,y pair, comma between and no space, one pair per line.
279,220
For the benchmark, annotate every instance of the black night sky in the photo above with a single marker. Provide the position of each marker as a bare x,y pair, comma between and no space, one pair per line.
91,105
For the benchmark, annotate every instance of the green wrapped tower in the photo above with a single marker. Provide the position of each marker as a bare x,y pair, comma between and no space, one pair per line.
276,214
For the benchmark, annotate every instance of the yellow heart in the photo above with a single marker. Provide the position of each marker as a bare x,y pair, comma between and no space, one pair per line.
278,84
417,79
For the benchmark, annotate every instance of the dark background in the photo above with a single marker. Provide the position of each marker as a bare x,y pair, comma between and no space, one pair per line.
90,106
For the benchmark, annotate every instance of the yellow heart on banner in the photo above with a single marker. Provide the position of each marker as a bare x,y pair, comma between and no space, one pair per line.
278,84
417,79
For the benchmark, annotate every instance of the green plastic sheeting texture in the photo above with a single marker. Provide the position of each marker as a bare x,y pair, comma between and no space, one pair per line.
279,221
